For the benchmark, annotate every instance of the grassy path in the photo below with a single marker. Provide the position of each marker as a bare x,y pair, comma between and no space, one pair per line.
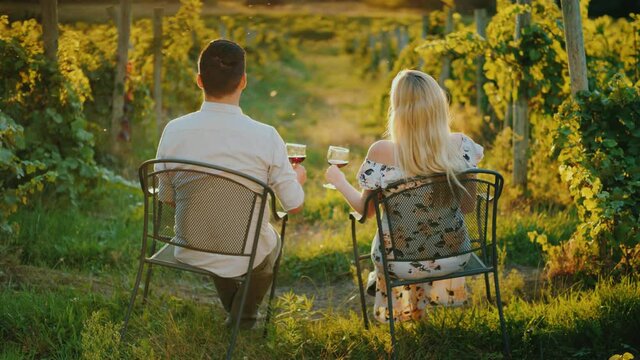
340,99
347,100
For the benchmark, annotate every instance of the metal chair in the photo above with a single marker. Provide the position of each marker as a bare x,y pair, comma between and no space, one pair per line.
206,208
410,206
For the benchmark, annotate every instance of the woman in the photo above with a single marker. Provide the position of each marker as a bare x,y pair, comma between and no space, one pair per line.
421,143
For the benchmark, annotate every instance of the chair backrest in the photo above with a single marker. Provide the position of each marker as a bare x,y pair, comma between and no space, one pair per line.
203,207
429,218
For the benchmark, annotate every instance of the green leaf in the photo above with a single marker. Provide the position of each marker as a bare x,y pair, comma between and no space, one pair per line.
54,115
7,157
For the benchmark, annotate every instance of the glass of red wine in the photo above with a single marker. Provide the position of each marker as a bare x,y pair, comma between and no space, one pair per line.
339,157
296,153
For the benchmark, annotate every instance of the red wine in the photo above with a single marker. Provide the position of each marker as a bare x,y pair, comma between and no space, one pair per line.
296,159
338,163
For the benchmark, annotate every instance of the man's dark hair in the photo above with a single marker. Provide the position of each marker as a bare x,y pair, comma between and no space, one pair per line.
221,66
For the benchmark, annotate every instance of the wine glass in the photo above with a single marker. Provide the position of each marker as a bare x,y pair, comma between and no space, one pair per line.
339,157
296,153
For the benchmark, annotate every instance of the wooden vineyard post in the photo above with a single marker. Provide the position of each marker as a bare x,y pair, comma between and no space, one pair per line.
385,51
425,26
50,28
250,37
122,57
222,29
425,33
112,14
480,16
373,52
578,75
445,73
402,39
158,13
406,39
521,114
508,114
575,45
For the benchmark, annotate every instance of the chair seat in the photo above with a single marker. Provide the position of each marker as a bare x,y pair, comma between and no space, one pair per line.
165,256
474,266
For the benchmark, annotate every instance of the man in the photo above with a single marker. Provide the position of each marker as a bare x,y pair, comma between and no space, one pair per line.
221,134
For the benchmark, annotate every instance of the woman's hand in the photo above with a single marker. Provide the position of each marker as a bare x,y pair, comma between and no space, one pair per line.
354,197
334,176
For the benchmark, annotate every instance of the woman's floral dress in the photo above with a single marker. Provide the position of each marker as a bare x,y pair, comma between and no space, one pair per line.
409,302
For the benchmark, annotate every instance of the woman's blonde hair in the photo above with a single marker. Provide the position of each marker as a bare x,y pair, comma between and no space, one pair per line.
419,127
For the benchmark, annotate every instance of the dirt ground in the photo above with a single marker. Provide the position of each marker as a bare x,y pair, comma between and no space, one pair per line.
339,297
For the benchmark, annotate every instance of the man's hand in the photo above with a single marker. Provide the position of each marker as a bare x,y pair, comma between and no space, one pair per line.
301,173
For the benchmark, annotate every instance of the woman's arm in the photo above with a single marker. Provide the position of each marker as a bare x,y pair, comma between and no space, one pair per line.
354,197
469,196
381,152
472,153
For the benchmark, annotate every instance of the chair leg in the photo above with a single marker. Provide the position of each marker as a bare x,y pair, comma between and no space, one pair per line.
391,322
269,308
393,336
275,276
133,299
486,284
503,326
271,295
148,278
146,285
236,326
234,335
363,301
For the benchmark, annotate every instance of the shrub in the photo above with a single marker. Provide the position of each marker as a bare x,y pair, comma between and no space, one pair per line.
42,130
100,338
599,141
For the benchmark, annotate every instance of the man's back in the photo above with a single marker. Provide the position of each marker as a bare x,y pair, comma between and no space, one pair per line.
222,135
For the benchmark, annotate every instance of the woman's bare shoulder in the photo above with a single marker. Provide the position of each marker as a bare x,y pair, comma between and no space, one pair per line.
382,151
457,137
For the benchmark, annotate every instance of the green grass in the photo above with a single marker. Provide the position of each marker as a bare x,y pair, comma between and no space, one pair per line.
102,233
514,226
71,321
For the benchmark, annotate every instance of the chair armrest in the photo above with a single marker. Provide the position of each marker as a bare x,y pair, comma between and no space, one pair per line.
280,215
277,215
357,217
361,218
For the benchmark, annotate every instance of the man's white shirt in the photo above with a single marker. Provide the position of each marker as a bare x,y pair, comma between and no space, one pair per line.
220,134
